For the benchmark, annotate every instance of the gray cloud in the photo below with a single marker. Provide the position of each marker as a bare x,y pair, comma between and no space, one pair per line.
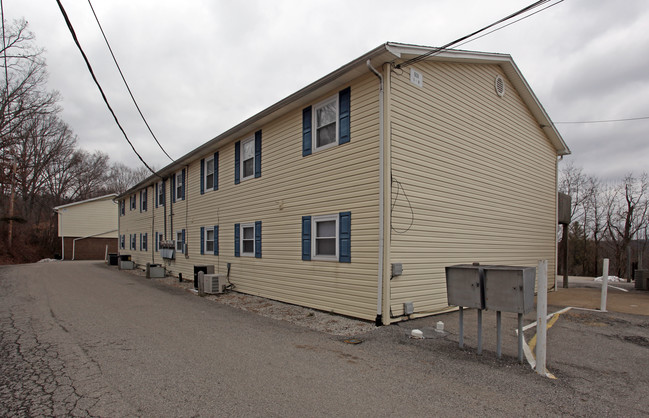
200,68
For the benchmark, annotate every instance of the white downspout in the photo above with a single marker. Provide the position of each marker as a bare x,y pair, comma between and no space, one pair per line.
379,299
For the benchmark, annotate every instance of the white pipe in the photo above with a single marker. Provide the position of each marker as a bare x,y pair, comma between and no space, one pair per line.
379,299
74,241
541,316
602,306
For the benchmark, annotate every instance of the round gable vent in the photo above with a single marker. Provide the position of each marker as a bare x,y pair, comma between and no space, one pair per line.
500,86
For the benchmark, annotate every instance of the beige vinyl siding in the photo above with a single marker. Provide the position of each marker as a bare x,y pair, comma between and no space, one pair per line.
89,218
479,175
338,179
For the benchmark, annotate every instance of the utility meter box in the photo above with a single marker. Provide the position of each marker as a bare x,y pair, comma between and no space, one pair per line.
509,288
464,284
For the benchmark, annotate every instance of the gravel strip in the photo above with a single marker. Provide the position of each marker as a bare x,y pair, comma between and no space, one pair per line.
306,317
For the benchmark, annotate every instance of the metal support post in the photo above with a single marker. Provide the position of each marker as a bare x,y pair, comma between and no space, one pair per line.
541,316
479,332
461,327
499,339
520,338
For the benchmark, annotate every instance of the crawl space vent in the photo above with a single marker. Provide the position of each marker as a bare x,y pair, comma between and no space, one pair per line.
500,86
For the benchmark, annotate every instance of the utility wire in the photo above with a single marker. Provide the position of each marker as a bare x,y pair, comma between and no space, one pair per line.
603,121
92,73
509,24
125,83
466,37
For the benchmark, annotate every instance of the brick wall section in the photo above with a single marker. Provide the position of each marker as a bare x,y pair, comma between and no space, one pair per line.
89,248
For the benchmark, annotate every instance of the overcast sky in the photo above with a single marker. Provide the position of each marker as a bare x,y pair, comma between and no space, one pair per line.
199,67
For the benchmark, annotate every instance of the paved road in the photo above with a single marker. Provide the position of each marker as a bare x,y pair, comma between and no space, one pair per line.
78,338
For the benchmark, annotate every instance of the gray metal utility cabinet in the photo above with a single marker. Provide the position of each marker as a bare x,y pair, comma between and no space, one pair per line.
509,288
464,283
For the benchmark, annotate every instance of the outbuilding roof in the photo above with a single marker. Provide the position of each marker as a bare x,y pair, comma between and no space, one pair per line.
390,52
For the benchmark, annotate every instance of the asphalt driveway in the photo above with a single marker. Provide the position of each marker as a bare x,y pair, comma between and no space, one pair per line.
77,338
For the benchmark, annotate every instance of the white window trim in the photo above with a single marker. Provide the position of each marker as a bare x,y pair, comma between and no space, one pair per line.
205,174
176,241
314,222
241,227
161,193
133,203
144,200
205,240
179,185
133,243
245,141
314,127
145,242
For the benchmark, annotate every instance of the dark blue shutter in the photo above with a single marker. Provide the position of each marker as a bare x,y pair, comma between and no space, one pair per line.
182,185
343,113
140,242
258,154
258,239
140,203
164,192
216,171
202,240
237,159
344,237
306,132
216,240
236,240
155,244
156,194
202,176
184,246
173,188
306,238
146,241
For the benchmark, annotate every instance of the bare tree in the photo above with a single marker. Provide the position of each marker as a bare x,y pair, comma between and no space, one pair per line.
627,213
121,177
22,92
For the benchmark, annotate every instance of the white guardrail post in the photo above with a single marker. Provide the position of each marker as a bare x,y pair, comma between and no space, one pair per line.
602,306
541,316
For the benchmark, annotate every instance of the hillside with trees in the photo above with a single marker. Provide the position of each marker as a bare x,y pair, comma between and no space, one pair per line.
41,164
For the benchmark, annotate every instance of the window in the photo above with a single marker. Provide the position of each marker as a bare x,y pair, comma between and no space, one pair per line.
247,239
145,242
209,173
325,117
180,241
122,207
179,186
209,240
122,240
159,194
143,200
327,237
133,241
327,123
159,239
133,202
247,158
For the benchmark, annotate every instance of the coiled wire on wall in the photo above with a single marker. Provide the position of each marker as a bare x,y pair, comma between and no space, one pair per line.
401,190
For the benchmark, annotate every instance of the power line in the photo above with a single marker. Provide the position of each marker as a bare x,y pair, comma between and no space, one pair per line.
603,121
509,24
466,37
92,73
125,83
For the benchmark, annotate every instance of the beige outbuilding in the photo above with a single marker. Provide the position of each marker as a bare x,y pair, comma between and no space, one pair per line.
353,194
87,227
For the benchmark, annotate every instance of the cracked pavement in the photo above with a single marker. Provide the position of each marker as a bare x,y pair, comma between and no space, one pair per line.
82,339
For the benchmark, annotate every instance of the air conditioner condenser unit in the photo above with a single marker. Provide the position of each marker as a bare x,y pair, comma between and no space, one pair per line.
214,283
